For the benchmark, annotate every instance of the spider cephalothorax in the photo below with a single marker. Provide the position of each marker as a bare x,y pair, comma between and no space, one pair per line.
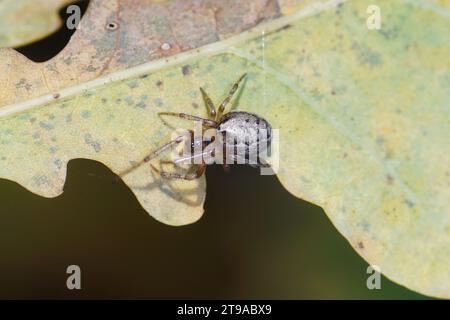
244,135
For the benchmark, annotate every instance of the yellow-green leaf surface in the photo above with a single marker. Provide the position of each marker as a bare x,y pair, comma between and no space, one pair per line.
364,121
25,21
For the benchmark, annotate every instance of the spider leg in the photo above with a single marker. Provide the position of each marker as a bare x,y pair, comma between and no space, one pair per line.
199,170
229,96
263,163
155,153
193,156
163,148
188,157
208,102
206,122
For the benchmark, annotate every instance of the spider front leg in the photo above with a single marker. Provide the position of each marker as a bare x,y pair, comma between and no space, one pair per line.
156,152
229,96
205,122
209,103
196,172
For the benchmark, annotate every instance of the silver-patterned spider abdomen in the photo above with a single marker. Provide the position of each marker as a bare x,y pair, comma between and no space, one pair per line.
245,136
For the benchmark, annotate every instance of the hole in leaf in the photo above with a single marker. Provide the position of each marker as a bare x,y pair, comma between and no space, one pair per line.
112,26
47,48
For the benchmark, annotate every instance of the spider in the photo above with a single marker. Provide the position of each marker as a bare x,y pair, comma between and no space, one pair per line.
238,129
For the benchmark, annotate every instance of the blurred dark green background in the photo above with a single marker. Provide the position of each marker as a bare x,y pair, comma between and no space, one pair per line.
255,240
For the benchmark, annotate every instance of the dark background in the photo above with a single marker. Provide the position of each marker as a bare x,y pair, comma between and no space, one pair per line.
255,240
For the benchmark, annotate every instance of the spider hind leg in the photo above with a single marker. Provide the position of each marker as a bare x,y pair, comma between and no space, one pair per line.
195,172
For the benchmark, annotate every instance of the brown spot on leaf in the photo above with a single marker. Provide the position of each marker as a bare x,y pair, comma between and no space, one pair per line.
186,70
390,179
409,203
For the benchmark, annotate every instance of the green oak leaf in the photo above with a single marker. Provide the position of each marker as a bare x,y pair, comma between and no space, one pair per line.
364,122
